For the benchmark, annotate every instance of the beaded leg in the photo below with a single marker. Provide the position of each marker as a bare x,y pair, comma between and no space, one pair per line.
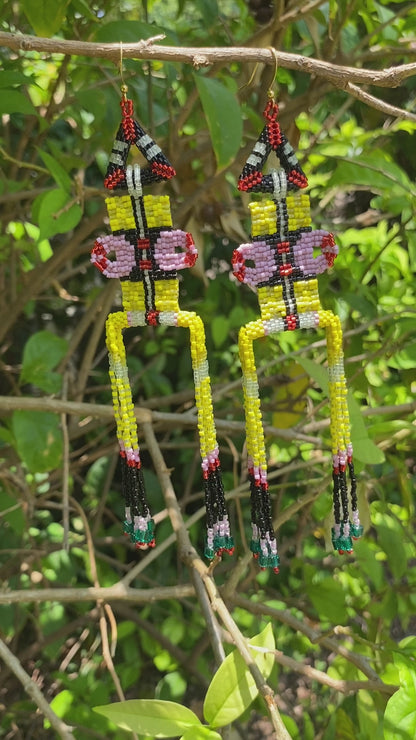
218,538
138,522
263,542
344,530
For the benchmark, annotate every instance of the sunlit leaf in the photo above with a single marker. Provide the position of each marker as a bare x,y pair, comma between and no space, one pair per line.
368,717
400,714
345,726
150,717
60,704
233,688
200,733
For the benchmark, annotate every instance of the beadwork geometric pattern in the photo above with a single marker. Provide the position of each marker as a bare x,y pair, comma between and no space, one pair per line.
145,252
281,264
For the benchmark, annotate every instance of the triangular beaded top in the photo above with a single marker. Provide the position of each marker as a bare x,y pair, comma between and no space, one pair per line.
271,139
130,133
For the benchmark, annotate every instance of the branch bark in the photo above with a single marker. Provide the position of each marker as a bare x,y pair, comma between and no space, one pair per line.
61,728
118,592
339,75
57,406
205,56
345,687
190,557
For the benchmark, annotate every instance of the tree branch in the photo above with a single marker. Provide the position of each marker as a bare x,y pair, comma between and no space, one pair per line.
341,76
374,102
300,625
345,687
118,592
205,56
62,729
190,557
57,406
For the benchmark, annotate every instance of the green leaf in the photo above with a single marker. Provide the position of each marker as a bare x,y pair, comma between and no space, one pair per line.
328,598
318,373
400,714
364,448
373,170
11,512
55,217
9,77
345,729
200,733
209,11
61,704
233,688
405,358
13,101
58,173
126,31
223,117
365,555
368,718
219,330
42,352
84,9
150,717
45,16
390,537
38,439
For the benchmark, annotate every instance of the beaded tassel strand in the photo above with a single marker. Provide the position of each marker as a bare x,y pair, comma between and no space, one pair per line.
148,252
285,276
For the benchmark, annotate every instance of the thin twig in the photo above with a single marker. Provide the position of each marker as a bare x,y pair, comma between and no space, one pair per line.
345,687
61,728
190,557
213,628
118,592
373,102
300,625
57,406
65,469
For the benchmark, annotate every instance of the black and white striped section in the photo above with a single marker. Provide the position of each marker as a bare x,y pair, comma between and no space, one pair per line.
252,178
159,167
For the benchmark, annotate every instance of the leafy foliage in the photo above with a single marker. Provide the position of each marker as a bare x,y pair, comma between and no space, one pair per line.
229,694
350,619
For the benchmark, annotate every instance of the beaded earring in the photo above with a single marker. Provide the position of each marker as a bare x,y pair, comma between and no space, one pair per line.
284,272
147,253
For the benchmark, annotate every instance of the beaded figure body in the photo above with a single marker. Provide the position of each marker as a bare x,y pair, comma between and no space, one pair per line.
147,253
283,270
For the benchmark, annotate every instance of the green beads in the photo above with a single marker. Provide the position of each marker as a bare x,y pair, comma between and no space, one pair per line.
140,537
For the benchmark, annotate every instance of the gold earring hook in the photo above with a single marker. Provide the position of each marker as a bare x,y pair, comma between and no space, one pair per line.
270,93
123,86
247,84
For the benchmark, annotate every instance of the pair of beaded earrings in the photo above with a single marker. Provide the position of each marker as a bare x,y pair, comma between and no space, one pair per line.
148,252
